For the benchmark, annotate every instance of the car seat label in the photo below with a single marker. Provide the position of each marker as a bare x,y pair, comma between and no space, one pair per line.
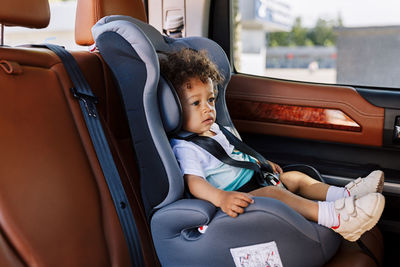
260,255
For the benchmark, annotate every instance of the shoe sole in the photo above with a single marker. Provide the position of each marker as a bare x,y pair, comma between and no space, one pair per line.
371,223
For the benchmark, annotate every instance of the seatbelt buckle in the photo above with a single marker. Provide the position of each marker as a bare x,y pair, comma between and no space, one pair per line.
88,100
273,179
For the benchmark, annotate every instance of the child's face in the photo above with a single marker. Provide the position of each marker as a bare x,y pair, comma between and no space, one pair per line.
198,105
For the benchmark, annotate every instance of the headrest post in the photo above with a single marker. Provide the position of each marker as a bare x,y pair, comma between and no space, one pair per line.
1,34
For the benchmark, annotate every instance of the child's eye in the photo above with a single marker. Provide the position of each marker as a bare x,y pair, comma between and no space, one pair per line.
196,103
211,100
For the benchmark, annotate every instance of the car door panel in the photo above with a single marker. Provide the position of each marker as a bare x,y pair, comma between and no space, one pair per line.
287,122
318,112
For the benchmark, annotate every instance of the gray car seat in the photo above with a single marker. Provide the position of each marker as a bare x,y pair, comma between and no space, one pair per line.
130,48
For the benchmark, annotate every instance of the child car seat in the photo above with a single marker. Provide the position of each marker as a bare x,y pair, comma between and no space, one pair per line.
130,48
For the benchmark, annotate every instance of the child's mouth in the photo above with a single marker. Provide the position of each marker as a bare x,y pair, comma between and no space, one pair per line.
208,121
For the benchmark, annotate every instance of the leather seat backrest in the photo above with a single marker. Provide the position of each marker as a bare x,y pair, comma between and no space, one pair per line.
55,206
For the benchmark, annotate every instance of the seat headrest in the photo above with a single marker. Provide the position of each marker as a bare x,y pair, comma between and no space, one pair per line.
88,12
25,13
170,107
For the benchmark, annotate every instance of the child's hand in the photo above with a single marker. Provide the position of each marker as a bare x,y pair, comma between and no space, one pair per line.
233,203
275,167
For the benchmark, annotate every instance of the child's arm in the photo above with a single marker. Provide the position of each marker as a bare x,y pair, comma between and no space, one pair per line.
231,202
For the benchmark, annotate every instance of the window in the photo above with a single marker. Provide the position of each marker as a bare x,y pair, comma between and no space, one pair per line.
337,41
60,31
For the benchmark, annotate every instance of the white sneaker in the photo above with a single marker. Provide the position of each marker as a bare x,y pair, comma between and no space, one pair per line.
357,216
369,184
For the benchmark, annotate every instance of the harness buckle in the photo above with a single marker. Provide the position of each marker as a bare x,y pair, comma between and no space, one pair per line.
273,179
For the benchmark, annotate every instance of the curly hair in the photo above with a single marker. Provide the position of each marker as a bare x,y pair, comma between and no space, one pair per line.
180,66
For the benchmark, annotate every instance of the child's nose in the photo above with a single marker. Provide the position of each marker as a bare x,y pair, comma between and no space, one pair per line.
207,107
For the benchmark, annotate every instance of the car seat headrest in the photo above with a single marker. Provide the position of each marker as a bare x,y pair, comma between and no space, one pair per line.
88,12
170,107
34,14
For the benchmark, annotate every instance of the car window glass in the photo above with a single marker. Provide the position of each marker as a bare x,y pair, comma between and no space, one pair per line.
59,31
333,41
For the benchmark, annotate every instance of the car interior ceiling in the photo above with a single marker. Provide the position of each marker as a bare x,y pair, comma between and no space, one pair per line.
55,205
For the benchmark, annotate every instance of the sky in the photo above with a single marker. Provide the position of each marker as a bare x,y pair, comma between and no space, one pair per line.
354,13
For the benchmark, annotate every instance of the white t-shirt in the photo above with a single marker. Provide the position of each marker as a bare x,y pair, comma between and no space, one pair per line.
197,161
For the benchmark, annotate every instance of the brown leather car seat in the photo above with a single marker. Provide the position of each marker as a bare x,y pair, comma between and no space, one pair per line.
55,206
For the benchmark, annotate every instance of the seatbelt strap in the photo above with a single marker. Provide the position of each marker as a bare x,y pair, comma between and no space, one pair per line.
88,101
215,149
243,147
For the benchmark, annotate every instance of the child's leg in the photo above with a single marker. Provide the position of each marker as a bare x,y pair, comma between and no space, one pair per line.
306,207
302,184
349,217
320,212
310,188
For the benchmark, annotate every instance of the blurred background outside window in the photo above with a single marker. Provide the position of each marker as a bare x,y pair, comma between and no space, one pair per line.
333,41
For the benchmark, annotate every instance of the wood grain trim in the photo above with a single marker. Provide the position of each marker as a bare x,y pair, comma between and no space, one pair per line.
293,115
244,88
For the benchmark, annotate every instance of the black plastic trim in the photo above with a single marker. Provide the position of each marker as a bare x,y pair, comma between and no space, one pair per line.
219,23
388,129
329,158
381,98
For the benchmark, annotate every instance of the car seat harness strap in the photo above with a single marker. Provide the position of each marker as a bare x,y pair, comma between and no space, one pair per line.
215,149
263,168
88,101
